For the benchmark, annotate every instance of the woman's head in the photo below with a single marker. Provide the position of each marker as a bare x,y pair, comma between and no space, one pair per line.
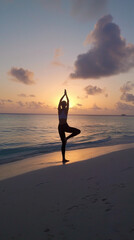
63,104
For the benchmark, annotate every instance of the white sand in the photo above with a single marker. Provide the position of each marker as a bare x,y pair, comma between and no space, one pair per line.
90,200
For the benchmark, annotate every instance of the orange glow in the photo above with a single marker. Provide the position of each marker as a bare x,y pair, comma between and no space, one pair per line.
72,102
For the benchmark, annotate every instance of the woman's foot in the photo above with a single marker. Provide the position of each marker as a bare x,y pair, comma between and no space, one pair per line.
65,161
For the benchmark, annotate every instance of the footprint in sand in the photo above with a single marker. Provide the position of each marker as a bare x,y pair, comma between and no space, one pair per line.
106,202
104,199
39,184
108,209
115,187
47,230
90,178
126,169
72,207
132,230
95,200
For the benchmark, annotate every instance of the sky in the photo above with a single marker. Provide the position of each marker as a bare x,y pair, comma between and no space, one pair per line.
83,46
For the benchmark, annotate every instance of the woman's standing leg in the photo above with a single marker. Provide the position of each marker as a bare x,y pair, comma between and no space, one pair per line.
63,140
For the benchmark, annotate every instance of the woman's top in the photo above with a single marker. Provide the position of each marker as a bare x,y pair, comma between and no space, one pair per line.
62,116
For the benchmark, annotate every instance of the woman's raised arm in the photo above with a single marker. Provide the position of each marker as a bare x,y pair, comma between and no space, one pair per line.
67,99
61,100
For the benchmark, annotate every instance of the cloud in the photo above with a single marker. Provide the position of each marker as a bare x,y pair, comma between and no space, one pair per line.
127,87
24,95
79,104
95,107
127,97
22,75
21,104
32,95
109,53
56,59
32,104
125,107
5,101
88,9
93,90
58,53
9,101
82,97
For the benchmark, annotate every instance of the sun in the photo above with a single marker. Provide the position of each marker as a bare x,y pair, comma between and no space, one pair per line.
72,102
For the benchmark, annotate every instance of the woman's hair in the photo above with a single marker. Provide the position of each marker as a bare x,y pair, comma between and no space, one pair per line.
63,104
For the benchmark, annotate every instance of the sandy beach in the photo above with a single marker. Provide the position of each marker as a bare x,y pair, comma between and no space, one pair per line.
90,199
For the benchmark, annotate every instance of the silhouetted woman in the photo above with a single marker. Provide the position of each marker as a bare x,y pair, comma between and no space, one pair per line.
63,126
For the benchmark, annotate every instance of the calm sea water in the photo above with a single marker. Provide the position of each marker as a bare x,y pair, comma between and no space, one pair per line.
24,135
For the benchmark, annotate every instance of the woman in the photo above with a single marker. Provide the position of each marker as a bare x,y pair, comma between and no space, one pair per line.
63,126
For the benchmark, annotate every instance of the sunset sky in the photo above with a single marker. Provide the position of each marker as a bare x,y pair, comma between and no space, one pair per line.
84,46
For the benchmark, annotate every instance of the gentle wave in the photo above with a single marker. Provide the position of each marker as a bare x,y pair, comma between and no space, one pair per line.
19,153
23,136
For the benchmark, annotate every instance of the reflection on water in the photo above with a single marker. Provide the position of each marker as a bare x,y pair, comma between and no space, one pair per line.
89,153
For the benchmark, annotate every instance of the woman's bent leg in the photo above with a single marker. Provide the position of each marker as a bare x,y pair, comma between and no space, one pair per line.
73,131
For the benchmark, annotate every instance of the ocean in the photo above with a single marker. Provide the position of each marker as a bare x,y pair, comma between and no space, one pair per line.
27,135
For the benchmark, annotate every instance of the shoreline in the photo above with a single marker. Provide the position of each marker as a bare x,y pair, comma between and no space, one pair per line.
12,169
95,144
89,199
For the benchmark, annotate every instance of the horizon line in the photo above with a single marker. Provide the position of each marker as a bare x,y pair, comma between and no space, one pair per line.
122,115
